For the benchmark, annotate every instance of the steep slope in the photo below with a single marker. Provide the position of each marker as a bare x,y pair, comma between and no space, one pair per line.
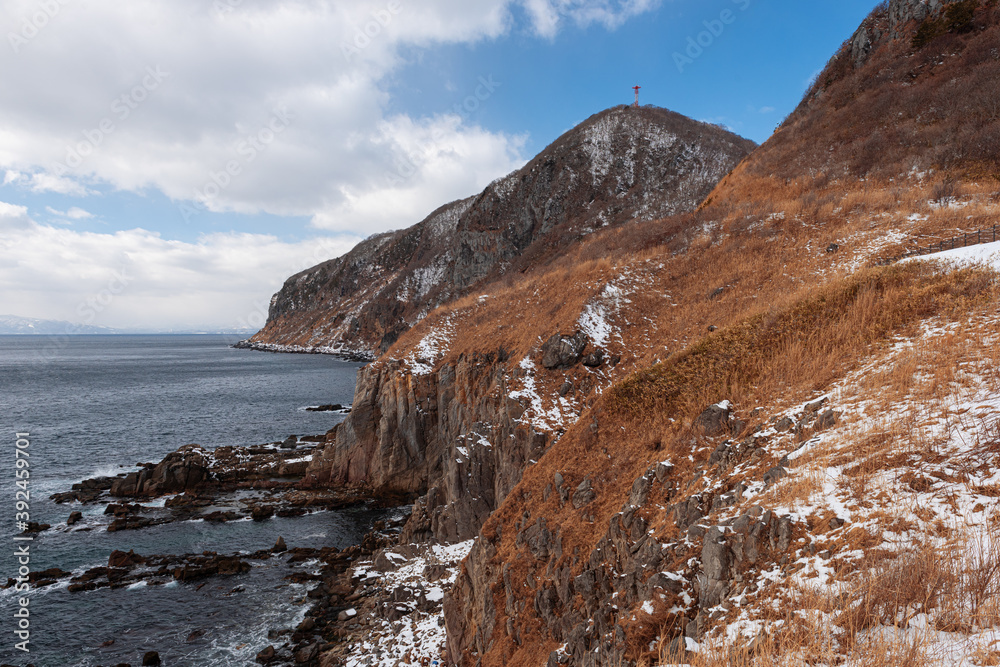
707,431
658,524
621,165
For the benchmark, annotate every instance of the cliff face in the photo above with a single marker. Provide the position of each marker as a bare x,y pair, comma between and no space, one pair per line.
451,436
664,431
621,165
637,539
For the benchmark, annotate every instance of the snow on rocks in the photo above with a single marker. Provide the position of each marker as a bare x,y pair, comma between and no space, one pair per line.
431,348
907,469
410,632
595,319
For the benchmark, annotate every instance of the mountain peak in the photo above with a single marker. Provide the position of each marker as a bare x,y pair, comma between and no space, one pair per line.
624,164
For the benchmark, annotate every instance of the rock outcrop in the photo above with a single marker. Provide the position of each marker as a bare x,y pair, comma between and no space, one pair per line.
452,437
621,165
186,469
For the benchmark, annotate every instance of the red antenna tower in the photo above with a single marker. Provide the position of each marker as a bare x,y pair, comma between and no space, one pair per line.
636,89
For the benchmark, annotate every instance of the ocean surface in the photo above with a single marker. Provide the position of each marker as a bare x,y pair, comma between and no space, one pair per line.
99,405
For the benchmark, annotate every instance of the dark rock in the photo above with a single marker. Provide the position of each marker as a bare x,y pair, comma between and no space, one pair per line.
714,420
584,494
826,420
307,653
716,293
784,425
185,469
262,512
594,359
563,352
832,248
566,388
120,559
291,442
129,523
151,659
74,517
267,656
279,546
774,474
34,527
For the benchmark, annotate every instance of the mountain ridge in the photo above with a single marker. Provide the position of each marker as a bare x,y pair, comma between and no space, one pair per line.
620,165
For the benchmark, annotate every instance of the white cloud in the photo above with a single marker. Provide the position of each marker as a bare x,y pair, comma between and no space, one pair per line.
74,213
137,279
766,110
45,182
12,210
548,15
186,86
274,106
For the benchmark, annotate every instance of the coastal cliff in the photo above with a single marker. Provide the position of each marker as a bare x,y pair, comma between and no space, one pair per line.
622,165
663,438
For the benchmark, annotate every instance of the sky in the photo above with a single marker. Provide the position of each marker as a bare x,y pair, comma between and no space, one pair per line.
166,164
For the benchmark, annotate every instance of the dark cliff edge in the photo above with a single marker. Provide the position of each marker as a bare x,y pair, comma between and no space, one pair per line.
621,165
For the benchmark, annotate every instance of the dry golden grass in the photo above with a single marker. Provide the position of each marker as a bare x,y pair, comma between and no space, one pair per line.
802,346
957,587
791,319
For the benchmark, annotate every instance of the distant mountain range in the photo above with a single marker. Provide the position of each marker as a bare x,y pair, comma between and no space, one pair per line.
12,325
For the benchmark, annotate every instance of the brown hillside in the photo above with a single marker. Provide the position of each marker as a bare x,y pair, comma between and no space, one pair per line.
621,165
562,409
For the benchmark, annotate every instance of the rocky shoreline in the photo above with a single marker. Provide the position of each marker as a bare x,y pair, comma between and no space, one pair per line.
359,356
346,604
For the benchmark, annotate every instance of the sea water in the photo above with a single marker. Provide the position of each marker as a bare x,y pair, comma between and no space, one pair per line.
100,405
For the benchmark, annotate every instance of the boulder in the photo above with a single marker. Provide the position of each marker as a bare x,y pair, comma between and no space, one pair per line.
74,517
120,559
826,420
584,494
279,546
307,653
151,659
714,421
560,352
35,527
183,470
267,655
262,512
